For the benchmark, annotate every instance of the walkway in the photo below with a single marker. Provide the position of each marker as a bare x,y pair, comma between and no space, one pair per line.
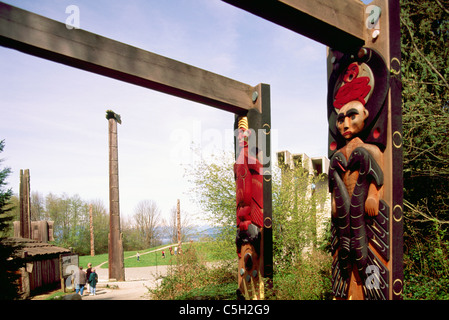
138,281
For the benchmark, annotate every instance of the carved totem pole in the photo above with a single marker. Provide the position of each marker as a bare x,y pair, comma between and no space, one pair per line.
365,170
253,199
115,242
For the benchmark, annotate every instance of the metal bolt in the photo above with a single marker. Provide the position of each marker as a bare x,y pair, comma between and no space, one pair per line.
242,271
254,273
255,96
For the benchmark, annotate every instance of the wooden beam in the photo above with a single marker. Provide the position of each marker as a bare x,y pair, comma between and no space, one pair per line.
42,37
336,24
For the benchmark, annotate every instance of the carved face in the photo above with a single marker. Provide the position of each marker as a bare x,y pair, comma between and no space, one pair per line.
351,73
351,119
243,137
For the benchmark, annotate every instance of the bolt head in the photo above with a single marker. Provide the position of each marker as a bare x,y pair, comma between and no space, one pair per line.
255,96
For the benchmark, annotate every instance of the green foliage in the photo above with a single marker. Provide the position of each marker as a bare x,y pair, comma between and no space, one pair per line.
72,225
8,267
214,189
192,278
295,206
308,279
425,103
298,274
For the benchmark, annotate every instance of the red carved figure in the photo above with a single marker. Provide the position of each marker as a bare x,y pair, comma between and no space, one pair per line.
249,207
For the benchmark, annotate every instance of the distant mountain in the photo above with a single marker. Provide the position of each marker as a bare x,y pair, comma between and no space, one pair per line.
198,233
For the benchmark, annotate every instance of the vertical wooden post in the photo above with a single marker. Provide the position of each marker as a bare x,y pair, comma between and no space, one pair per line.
253,196
116,259
178,218
24,198
91,221
383,277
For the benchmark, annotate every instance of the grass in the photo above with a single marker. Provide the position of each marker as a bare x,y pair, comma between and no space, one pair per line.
193,278
147,258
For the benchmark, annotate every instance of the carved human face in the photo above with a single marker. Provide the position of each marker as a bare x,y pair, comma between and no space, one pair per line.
351,119
243,137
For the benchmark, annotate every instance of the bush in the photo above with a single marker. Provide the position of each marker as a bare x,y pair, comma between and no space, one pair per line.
307,279
192,278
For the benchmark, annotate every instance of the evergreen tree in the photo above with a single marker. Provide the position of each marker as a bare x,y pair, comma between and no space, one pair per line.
8,267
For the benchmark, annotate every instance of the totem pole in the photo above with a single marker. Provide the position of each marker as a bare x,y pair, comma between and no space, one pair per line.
365,152
115,244
24,204
253,199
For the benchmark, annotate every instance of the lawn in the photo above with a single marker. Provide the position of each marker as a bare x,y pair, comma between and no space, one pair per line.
148,258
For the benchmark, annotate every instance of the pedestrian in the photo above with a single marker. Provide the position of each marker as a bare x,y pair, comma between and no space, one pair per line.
163,254
93,279
138,256
88,271
79,280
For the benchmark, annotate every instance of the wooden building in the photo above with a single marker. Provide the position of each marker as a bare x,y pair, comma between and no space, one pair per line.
41,270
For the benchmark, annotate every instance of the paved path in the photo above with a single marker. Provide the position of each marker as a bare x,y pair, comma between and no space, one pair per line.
138,281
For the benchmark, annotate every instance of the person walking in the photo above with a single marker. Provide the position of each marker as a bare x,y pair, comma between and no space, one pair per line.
79,281
88,271
93,279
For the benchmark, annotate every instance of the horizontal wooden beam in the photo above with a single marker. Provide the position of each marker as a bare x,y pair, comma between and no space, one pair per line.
42,37
336,24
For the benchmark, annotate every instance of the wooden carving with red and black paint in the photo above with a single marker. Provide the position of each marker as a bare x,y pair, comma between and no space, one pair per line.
252,171
365,152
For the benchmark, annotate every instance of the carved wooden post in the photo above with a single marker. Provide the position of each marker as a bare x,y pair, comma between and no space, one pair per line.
365,151
91,222
365,93
116,259
178,219
25,212
253,196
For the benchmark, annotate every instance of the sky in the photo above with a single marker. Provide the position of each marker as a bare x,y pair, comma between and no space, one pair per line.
52,117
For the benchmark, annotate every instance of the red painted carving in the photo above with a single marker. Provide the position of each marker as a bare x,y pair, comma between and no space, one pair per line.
249,192
249,207
354,88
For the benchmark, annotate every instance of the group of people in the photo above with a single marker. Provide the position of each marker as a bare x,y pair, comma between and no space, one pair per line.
89,278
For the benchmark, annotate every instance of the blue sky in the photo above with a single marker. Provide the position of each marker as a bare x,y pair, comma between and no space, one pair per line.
53,116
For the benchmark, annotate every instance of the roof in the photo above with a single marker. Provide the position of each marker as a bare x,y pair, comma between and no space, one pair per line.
35,248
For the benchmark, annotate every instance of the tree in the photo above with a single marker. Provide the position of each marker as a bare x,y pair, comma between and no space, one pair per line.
213,189
425,104
37,203
101,226
147,220
295,203
8,267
